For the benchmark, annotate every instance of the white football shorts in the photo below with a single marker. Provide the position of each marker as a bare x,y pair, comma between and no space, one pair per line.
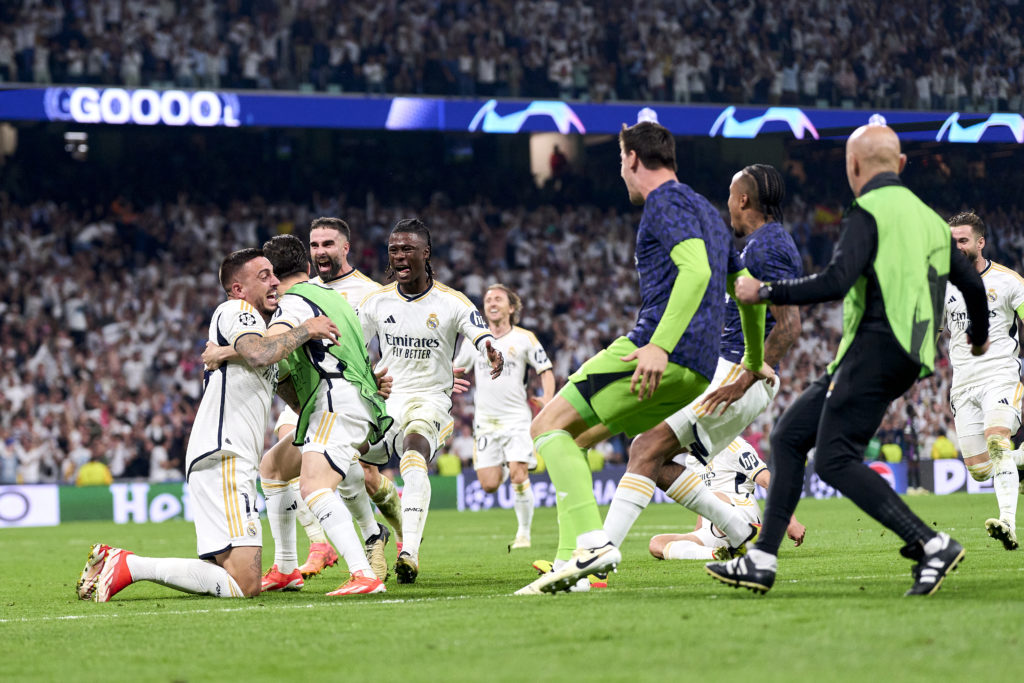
979,406
427,415
706,434
496,448
340,424
222,492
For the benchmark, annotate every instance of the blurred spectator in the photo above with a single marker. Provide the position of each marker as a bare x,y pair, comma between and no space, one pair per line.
859,52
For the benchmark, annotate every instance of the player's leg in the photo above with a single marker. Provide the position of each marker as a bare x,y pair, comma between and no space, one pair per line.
872,375
384,495
791,439
522,501
597,394
332,446
417,448
319,480
375,535
279,466
1002,420
223,492
682,547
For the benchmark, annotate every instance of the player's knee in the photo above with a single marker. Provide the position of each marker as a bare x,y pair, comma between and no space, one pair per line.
517,472
981,471
657,546
828,469
251,587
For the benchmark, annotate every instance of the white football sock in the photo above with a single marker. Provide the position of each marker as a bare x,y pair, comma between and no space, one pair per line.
1006,483
687,550
592,539
632,495
281,505
306,518
336,521
415,500
523,504
390,505
763,560
353,492
689,491
190,576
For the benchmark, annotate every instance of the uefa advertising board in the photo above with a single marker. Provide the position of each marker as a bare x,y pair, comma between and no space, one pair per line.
206,108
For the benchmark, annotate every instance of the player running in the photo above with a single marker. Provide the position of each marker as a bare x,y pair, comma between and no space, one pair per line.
223,450
731,476
685,263
985,393
735,397
417,322
501,418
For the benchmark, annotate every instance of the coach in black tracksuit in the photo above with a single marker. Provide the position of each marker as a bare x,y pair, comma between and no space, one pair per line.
891,263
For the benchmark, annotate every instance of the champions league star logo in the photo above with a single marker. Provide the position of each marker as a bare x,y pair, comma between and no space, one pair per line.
749,129
490,121
974,133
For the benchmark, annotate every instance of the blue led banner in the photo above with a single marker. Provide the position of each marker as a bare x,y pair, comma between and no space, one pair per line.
145,107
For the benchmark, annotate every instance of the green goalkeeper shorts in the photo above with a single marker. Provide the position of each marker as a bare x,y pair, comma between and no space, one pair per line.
599,391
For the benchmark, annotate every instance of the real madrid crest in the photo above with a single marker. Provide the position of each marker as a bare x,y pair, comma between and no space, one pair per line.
432,321
992,295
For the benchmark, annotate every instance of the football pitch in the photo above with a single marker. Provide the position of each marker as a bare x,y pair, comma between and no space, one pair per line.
836,612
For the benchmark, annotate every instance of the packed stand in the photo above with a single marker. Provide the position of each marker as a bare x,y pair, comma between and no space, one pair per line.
104,313
851,53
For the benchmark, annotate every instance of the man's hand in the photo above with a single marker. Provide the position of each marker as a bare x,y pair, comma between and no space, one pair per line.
978,350
496,360
321,327
746,290
538,402
460,385
383,380
796,531
766,373
651,361
215,356
727,394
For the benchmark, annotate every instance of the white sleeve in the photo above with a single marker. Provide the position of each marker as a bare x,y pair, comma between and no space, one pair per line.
472,326
235,323
466,356
537,358
292,311
366,319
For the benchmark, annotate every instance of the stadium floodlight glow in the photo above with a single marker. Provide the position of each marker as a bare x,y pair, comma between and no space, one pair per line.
142,107
749,129
973,133
489,121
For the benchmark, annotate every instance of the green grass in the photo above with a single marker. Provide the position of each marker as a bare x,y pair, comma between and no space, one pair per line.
836,612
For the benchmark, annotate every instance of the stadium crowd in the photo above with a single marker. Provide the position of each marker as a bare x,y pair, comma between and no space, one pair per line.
103,312
857,53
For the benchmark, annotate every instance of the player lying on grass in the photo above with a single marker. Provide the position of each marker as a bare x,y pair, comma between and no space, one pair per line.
730,476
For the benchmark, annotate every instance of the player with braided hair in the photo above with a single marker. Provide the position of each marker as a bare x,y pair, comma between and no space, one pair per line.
417,322
709,424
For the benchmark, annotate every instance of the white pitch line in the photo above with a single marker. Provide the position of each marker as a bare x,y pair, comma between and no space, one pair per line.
248,608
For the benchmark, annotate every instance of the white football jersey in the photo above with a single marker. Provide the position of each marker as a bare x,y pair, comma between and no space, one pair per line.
353,285
235,407
417,334
501,403
1005,292
732,470
293,310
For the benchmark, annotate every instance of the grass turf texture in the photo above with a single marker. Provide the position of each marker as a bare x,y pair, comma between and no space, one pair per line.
836,611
